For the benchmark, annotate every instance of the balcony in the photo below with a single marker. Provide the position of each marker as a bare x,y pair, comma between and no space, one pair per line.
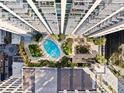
20,11
14,5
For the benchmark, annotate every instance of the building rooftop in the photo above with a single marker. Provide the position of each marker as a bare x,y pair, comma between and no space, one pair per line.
75,79
53,79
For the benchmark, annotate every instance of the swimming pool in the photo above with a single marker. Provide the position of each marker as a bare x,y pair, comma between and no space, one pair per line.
52,48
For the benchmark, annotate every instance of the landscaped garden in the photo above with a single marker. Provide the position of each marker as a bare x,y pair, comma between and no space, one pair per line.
97,41
101,59
80,40
59,37
82,49
116,61
117,57
37,37
67,46
64,62
84,64
35,51
24,54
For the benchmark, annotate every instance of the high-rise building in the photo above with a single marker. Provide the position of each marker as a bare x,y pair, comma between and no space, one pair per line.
89,17
77,21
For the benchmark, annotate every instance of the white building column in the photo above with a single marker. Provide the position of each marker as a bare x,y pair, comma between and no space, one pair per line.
33,6
63,11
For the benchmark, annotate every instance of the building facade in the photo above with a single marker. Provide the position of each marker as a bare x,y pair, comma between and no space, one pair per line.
88,17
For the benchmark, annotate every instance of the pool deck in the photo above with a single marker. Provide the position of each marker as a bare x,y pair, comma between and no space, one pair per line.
47,56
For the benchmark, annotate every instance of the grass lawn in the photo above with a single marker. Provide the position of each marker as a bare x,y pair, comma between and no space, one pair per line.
34,50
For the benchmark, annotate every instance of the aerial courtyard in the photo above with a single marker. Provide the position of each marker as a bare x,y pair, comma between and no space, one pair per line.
61,46
61,50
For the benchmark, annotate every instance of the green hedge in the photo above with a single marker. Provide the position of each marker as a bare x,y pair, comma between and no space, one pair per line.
82,49
67,46
35,51
64,62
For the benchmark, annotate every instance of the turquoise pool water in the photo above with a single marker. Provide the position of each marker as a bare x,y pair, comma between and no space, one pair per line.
51,48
